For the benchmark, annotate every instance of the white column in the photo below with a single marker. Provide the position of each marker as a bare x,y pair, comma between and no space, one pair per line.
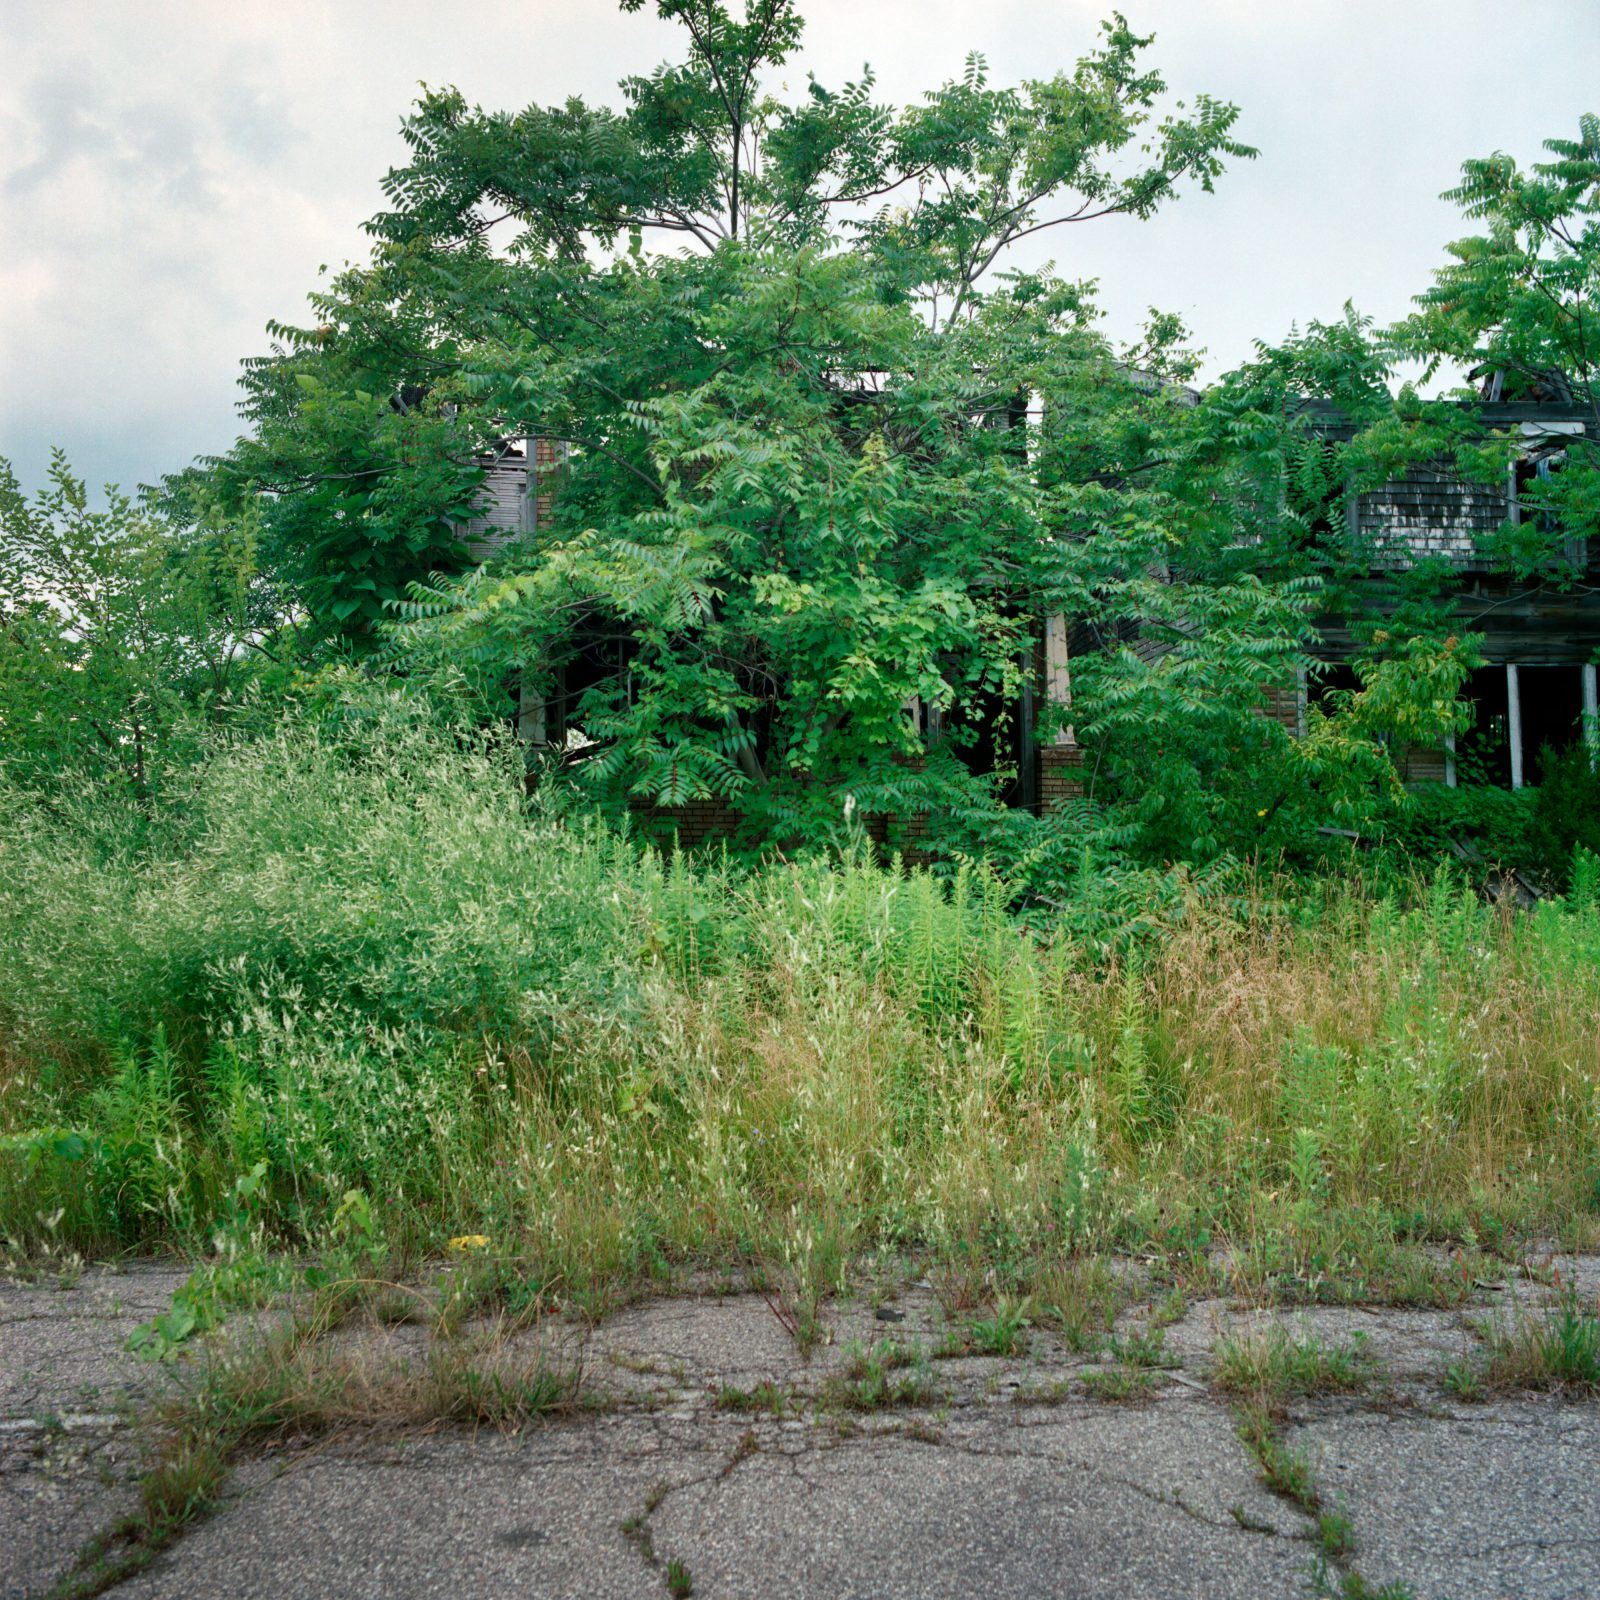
1450,759
1057,672
1301,696
1514,723
530,717
1591,712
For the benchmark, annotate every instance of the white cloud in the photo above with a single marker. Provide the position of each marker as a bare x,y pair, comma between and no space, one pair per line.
173,172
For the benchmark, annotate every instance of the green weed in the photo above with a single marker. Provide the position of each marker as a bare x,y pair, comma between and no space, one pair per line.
1284,1470
1145,1347
1121,1384
881,1376
1557,1349
1273,1364
766,1396
1080,1299
1005,1332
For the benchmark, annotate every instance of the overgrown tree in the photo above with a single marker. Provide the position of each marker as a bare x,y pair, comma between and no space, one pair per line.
122,634
1517,307
826,457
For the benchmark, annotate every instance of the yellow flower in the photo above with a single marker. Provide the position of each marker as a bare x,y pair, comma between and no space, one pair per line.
1262,812
469,1241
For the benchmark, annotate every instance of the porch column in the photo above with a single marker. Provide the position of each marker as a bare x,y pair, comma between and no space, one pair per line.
531,728
1060,761
1514,723
1057,672
1591,712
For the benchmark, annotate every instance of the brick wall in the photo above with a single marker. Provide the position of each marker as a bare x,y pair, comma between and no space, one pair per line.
706,821
693,824
547,456
1060,774
1421,766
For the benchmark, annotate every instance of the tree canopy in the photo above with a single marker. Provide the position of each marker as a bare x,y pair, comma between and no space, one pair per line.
829,458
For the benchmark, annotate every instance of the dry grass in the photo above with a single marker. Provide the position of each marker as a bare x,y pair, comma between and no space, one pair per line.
1080,1298
314,1378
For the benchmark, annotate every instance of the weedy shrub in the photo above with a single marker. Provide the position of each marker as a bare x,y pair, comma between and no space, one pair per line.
1566,814
370,964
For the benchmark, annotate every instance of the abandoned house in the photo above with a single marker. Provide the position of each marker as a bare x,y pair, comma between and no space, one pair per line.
1537,690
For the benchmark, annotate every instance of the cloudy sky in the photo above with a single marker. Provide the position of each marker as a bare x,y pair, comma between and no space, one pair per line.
175,172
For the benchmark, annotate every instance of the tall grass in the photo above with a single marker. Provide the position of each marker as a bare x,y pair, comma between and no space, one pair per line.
374,966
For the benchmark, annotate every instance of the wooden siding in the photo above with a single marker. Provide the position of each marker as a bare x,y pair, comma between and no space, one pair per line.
1429,513
1533,623
504,509
516,495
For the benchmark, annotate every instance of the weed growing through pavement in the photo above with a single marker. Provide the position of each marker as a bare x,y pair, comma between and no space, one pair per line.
1004,1332
294,1383
1058,1391
765,1396
1284,1469
882,1376
1335,1535
1121,1384
1248,1523
1557,1348
1330,1583
1464,1381
1080,1299
1145,1347
1273,1364
1288,1472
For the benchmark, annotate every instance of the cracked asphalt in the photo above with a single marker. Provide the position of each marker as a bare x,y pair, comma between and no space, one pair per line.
1012,1481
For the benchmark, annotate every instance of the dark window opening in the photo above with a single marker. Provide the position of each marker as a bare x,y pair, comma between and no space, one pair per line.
1483,752
1331,678
1551,699
1532,476
993,737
